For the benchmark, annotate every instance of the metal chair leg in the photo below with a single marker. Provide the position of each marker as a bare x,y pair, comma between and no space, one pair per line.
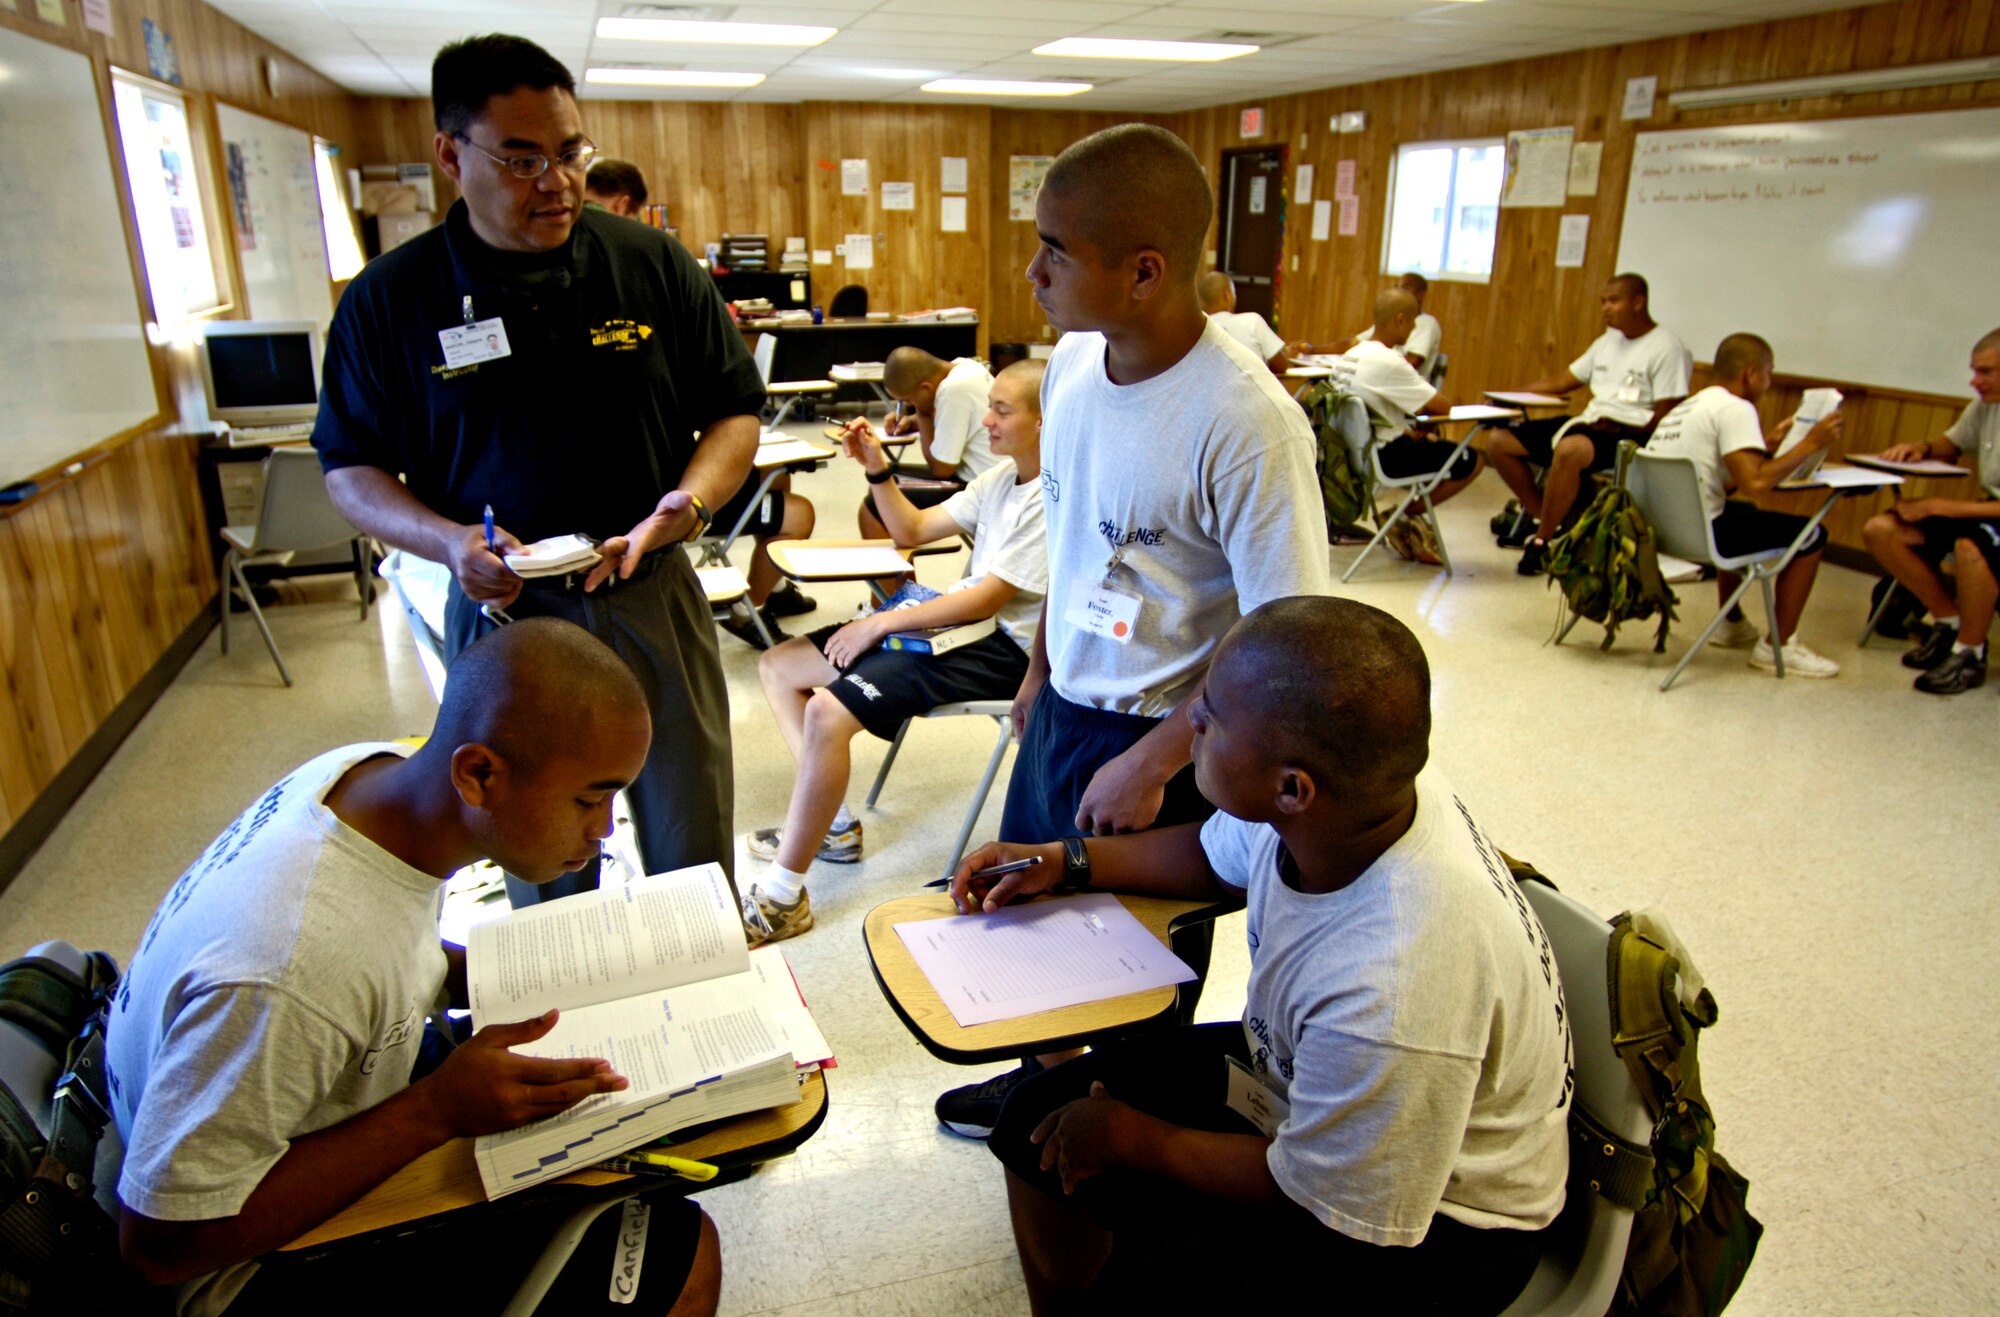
1868,632
262,626
882,773
1437,531
1380,535
226,596
555,1255
979,796
1771,614
1701,641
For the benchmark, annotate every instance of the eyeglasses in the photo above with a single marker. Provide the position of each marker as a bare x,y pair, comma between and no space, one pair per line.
576,159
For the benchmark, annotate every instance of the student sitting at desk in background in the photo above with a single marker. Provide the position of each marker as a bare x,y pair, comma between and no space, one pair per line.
1404,1033
1218,301
948,399
828,686
1916,534
615,185
260,1052
1377,371
1420,349
1718,428
1633,365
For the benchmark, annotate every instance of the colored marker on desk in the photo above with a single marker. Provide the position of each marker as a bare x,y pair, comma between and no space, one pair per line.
638,1162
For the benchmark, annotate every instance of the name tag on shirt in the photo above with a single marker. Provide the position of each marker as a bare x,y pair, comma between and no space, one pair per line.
1252,1099
1103,611
1635,388
468,345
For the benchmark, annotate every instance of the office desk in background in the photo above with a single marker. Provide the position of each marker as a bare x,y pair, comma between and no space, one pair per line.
810,352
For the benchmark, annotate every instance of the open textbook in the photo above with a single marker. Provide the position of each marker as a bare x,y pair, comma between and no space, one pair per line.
1814,406
653,976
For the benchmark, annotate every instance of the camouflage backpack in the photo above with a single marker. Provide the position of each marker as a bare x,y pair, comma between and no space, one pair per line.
1608,564
1347,493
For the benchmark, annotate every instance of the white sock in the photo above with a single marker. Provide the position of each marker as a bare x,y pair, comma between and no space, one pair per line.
1960,647
1935,620
782,885
841,821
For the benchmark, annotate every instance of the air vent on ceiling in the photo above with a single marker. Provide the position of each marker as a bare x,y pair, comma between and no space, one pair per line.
1230,36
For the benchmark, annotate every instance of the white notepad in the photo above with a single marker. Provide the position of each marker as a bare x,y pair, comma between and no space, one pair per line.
857,563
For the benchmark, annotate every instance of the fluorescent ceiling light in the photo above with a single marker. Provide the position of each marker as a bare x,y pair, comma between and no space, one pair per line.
671,78
734,34
1004,87
1841,84
1119,48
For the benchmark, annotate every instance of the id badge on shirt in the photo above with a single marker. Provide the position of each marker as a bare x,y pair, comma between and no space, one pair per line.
469,344
1254,1100
1635,389
1103,611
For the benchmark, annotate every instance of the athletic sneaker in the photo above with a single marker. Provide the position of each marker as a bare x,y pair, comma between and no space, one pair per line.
842,847
1800,660
972,1111
765,920
1933,649
789,601
1531,559
1737,634
1962,670
737,623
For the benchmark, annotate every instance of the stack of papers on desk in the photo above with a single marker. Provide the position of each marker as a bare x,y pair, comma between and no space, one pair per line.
856,371
1472,411
1526,399
553,556
845,563
1926,467
1842,477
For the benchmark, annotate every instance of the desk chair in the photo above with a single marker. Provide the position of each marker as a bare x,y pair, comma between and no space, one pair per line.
1593,483
1439,365
789,390
1362,446
999,711
722,586
297,516
851,300
1585,1254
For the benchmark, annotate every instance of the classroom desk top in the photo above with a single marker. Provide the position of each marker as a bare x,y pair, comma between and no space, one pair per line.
447,1179
926,1016
781,555
845,322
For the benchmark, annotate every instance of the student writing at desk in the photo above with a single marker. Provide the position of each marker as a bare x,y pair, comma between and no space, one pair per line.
1420,348
1917,534
947,404
261,1047
1386,1127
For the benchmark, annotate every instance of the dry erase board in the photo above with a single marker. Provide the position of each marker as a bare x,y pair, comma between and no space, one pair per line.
1862,248
273,192
72,339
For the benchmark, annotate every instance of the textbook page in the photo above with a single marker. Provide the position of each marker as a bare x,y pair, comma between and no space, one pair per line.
1814,405
656,933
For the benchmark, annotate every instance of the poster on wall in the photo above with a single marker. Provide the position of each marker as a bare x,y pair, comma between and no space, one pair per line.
1343,179
1260,191
1024,179
1571,241
1350,216
859,251
1586,159
899,196
239,196
1639,94
97,16
1302,189
951,214
1537,167
951,174
854,178
161,61
1322,219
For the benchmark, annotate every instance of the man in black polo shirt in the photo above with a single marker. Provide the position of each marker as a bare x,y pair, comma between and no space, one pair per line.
619,403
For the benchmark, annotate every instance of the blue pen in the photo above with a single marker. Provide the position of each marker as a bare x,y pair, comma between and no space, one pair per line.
489,528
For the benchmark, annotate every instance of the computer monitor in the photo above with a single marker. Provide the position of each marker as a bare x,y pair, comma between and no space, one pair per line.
261,372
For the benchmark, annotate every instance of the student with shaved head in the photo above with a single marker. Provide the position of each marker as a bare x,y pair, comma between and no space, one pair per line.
1386,1126
944,402
1218,301
1420,348
1634,369
261,1047
1178,483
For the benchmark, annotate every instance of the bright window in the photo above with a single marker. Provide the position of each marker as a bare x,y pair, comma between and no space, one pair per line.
166,199
343,247
1444,203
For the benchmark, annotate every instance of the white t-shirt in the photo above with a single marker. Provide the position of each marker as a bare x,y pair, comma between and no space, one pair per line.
1252,331
1005,520
1628,375
1426,337
1708,427
1415,1024
1201,479
1977,430
958,425
1387,384
280,988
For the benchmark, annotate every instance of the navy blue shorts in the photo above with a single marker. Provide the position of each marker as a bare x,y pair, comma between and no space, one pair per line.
885,687
1406,456
1942,534
1064,746
1538,438
1744,529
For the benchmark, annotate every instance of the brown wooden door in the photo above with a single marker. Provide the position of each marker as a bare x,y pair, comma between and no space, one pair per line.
1251,241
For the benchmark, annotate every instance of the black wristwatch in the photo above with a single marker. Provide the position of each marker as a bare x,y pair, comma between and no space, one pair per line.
882,477
1076,865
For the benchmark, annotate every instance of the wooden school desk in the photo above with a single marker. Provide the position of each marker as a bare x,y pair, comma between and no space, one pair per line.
926,1016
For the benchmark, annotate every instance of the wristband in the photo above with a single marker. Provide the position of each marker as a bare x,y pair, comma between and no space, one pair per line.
882,477
702,516
1076,865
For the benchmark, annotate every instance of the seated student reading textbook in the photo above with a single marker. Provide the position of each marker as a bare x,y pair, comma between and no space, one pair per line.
1718,428
1218,302
1403,1042
838,681
1420,349
261,1047
1632,365
1915,535
946,404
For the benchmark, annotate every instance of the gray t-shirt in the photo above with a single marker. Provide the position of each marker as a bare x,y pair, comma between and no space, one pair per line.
1977,430
1201,482
1414,1022
280,988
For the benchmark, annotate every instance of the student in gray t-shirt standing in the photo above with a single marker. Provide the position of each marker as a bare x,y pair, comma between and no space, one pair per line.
1180,493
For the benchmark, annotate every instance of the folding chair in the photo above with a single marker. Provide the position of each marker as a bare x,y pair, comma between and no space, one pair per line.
1578,1272
789,390
1439,365
1352,421
297,516
998,710
722,586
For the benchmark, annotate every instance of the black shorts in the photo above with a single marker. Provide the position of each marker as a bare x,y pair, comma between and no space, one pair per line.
1744,529
1177,1250
1538,438
886,686
475,1265
923,496
1942,534
1406,456
767,519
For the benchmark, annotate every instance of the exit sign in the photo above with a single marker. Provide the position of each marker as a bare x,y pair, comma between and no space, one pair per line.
1252,122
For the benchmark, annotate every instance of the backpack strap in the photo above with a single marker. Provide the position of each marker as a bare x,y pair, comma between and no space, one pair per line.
1654,1033
1600,1161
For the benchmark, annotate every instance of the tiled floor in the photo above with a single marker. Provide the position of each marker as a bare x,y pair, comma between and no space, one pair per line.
1815,842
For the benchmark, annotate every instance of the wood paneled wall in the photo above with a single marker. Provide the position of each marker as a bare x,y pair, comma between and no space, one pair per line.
101,574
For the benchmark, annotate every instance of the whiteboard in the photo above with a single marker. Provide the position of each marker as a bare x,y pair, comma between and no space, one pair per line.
274,211
1863,249
71,332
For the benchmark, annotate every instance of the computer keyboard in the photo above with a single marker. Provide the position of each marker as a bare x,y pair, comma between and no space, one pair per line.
240,435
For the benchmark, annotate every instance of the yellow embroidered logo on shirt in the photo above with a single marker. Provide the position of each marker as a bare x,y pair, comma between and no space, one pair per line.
620,335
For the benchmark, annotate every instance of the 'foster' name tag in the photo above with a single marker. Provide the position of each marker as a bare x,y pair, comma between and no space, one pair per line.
1103,611
468,345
